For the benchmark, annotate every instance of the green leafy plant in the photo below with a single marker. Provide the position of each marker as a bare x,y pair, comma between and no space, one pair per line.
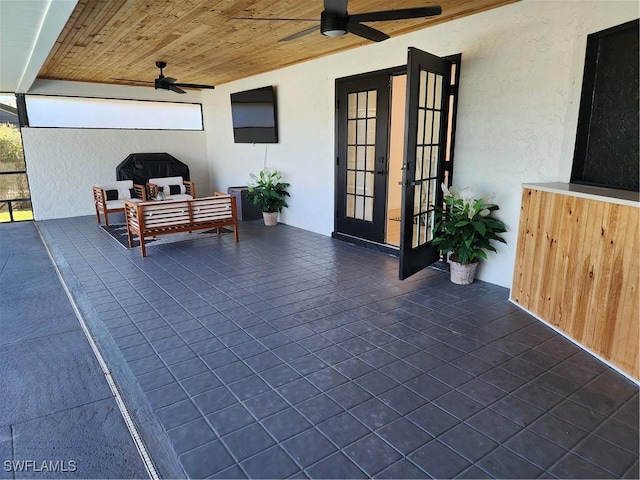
466,227
268,191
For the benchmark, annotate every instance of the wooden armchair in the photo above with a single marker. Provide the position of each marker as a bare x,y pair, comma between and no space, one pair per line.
174,188
110,197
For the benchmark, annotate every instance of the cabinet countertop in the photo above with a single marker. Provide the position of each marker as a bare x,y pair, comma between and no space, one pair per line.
612,195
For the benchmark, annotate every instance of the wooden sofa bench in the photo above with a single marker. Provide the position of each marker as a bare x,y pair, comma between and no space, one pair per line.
150,219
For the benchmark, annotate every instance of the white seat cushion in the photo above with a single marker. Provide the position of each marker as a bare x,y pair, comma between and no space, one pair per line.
167,182
117,191
179,196
112,204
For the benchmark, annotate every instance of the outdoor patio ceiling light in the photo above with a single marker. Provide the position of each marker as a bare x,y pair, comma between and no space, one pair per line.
333,25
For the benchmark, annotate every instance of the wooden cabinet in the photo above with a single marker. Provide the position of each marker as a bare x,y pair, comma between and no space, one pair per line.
577,267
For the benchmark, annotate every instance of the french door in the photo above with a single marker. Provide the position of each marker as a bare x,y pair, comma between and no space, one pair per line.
363,111
363,157
427,115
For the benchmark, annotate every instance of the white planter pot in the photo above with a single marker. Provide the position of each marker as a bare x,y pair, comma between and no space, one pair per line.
270,218
462,274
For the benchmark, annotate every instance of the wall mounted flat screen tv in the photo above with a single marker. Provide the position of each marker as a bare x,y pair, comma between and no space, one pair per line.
254,116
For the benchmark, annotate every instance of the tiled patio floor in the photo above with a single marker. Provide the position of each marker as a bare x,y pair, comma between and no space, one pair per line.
291,354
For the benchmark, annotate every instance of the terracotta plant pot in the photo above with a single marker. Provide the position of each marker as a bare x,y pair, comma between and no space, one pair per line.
270,218
462,274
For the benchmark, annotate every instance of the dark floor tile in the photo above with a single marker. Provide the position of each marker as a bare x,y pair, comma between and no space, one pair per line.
248,441
353,368
319,408
438,460
200,383
308,447
206,460
503,463
535,448
493,425
298,391
502,379
371,454
376,382
629,412
428,387
458,405
401,371
349,395
177,414
214,400
558,431
335,466
307,364
404,436
230,419
633,471
326,378
377,358
433,419
621,434
594,400
450,375
481,392
402,469
263,361
467,442
271,463
166,395
232,372
285,424
606,455
578,415
191,435
573,466
402,400
343,429
265,404
374,414
234,471
537,396
473,472
613,385
556,383
279,375
517,410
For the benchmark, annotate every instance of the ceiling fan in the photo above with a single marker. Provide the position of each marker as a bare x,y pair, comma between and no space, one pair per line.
336,21
166,83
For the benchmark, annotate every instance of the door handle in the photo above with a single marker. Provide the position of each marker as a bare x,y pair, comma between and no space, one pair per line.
380,172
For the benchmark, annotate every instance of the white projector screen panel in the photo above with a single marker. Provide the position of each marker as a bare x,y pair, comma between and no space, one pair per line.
72,112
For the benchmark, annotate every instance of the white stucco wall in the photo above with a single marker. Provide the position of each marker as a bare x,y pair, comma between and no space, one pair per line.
520,87
63,164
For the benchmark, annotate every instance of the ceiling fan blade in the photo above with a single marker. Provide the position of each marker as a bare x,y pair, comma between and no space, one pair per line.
193,85
401,14
174,88
279,19
366,32
338,7
304,32
130,80
167,80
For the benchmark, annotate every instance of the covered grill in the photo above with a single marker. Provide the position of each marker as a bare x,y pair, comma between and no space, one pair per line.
140,167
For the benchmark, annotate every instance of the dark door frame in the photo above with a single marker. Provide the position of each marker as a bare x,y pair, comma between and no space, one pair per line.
455,59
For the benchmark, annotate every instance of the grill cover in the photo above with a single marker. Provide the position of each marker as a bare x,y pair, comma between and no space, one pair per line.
140,167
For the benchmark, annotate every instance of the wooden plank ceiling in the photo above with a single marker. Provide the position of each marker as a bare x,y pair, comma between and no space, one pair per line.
106,41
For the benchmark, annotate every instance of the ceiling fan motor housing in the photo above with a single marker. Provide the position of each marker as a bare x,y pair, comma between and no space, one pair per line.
333,25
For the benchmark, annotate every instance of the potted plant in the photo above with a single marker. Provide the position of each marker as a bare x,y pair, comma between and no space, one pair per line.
465,229
268,191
